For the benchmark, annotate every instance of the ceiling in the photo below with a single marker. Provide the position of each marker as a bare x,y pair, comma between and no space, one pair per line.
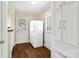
28,7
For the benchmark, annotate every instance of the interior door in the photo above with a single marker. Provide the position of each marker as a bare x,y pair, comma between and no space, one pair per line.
69,21
0,29
58,24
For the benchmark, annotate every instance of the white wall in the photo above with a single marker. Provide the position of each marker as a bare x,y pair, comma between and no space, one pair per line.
24,36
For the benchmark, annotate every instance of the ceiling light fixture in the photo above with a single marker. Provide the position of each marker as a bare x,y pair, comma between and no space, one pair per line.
34,2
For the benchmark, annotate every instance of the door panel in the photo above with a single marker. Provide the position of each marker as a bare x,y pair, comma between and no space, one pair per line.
0,29
69,19
58,25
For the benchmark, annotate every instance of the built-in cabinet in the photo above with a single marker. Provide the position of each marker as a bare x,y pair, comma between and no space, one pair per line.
66,23
66,29
70,23
58,24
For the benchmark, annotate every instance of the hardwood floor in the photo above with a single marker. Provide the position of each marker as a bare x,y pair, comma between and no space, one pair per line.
26,50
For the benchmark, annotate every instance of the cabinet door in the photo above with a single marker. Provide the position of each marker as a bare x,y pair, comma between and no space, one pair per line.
69,23
58,4
58,24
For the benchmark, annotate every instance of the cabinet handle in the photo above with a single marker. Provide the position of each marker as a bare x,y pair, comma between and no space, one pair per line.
63,3
64,27
1,42
59,21
59,27
60,6
64,20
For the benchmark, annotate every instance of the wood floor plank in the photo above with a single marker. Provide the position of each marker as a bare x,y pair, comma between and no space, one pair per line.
26,50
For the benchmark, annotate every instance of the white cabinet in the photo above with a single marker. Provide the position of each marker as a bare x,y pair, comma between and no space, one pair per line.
58,24
70,19
66,23
59,4
36,33
67,29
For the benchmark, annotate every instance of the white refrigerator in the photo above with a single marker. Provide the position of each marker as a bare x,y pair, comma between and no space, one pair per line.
36,33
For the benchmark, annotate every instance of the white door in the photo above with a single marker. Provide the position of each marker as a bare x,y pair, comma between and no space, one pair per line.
0,29
70,23
58,24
